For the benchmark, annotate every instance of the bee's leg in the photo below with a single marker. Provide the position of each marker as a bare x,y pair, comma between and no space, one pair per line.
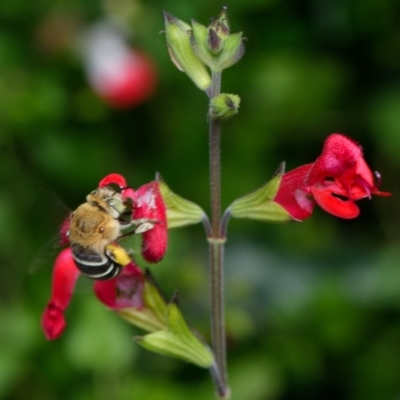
144,224
118,255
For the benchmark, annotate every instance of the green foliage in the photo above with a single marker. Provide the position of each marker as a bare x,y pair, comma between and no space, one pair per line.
313,308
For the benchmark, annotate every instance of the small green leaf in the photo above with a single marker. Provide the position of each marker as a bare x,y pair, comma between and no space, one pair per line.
180,212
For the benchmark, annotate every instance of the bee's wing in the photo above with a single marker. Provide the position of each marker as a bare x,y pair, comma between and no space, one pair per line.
46,213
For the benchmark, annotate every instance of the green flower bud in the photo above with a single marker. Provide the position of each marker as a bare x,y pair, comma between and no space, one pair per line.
180,212
224,106
180,50
221,24
214,45
177,340
260,204
214,42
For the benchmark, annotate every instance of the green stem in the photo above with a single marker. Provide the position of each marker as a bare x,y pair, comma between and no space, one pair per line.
216,246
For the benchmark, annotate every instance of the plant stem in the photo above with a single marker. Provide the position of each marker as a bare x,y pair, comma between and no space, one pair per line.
216,246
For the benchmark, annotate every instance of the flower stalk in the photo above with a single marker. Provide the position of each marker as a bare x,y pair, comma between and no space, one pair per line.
216,246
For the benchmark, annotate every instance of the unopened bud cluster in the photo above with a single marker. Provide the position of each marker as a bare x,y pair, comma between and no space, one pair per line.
195,49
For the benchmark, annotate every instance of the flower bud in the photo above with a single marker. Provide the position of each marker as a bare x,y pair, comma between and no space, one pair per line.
224,106
180,50
214,42
221,24
214,45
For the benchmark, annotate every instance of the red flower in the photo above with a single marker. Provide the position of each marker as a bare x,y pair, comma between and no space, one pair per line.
123,77
334,181
65,275
148,204
151,205
125,290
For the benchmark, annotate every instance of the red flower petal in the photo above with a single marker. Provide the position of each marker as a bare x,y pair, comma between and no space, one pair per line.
292,197
150,204
115,179
125,290
338,155
53,322
335,204
65,275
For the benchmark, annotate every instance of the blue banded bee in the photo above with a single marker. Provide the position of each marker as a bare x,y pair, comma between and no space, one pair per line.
94,225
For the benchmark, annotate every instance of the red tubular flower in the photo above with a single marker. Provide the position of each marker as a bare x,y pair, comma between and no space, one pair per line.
295,201
65,275
334,181
125,290
150,205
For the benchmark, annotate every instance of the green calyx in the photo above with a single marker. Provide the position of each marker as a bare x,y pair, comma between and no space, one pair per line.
177,340
214,45
151,317
260,204
180,212
180,50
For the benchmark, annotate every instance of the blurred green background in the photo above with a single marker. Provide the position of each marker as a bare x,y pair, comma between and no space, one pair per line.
313,309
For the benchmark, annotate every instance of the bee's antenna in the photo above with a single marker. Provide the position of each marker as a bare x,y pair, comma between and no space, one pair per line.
119,190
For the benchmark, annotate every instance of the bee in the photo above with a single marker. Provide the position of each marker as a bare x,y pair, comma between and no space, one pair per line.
94,226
